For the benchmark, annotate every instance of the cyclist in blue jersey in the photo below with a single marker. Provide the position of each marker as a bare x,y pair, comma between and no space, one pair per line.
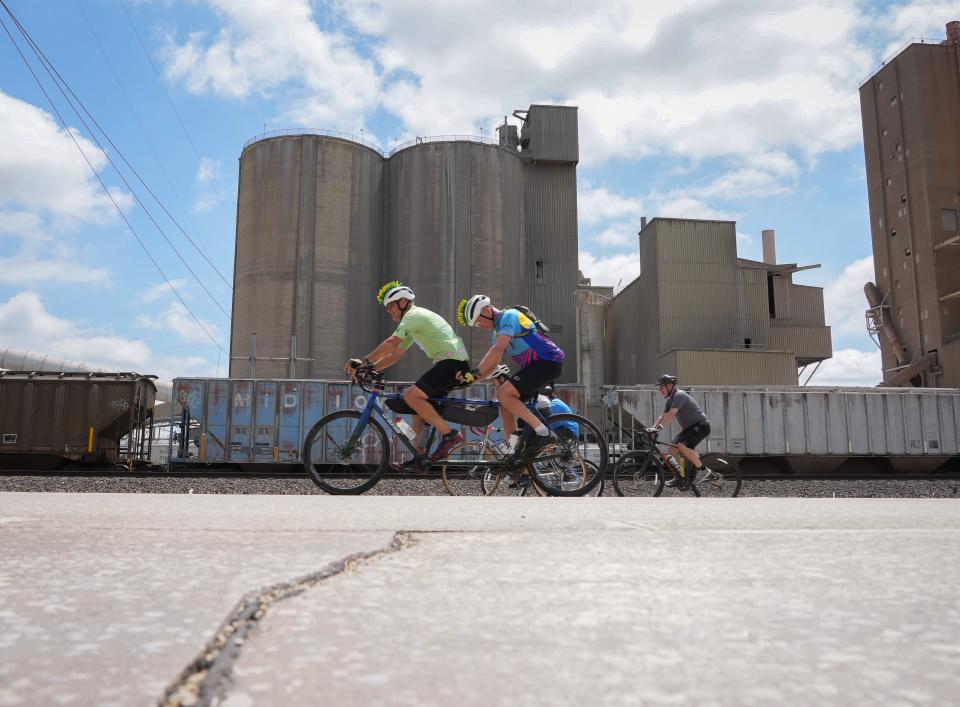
539,358
549,404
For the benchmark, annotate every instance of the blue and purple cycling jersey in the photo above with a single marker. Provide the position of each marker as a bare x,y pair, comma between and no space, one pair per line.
527,344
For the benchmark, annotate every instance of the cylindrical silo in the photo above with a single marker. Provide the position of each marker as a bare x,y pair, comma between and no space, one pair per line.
308,256
454,228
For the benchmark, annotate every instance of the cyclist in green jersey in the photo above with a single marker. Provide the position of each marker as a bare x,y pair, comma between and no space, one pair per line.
436,338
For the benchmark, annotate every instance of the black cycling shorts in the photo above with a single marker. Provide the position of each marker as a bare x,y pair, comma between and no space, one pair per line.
693,435
532,378
442,378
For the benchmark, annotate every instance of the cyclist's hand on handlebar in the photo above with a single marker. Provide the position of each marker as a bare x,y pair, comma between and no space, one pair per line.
652,430
351,366
470,377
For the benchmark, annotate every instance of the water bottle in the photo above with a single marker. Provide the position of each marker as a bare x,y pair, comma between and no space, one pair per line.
405,428
512,445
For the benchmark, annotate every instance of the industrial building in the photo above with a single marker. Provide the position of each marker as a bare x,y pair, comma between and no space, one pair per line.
323,221
711,318
911,139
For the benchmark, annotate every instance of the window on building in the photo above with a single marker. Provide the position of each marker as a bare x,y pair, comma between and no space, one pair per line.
906,251
746,343
771,300
893,100
884,132
879,85
893,233
948,219
903,198
889,181
539,273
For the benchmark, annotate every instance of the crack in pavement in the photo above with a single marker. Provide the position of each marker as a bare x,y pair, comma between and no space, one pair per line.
206,676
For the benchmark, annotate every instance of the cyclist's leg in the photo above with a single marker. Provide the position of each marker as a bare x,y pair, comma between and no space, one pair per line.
437,381
524,382
686,443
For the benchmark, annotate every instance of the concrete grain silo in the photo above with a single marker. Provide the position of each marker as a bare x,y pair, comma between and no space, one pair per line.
308,255
455,225
323,221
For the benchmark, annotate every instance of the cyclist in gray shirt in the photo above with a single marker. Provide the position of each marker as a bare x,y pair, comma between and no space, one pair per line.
694,427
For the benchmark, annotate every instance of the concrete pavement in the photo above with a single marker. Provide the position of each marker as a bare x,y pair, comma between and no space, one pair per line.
107,599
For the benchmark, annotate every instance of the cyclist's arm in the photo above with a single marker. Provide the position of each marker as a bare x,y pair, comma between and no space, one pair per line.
667,417
389,348
493,356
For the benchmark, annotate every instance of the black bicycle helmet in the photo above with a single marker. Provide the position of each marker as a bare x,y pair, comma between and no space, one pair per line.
547,390
666,379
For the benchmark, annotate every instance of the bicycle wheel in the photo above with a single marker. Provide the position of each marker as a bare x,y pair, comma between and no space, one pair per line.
723,480
576,464
343,458
638,474
464,477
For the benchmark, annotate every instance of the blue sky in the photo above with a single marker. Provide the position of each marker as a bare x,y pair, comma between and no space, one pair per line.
739,109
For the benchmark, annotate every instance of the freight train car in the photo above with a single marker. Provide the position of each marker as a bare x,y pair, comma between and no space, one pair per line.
809,431
48,420
260,422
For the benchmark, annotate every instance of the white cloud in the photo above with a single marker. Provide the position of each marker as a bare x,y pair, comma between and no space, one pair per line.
612,270
162,290
42,172
205,202
24,269
649,78
264,47
177,320
844,300
599,204
618,234
26,325
920,18
208,170
850,367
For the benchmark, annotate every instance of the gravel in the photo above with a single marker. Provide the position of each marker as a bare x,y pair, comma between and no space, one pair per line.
945,488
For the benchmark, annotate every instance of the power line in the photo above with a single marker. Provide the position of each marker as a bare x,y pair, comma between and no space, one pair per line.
153,149
61,84
103,186
172,105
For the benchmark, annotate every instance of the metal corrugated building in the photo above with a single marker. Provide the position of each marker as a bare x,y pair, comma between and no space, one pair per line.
911,138
712,318
323,221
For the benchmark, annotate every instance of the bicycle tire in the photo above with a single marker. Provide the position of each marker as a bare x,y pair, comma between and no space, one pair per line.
459,480
562,469
324,461
724,480
638,474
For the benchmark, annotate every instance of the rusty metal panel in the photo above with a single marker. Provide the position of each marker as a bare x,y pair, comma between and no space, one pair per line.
241,421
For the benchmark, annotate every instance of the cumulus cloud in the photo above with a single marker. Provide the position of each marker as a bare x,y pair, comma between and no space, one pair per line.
850,367
208,170
921,18
176,319
41,171
162,290
612,270
265,47
844,300
649,78
27,325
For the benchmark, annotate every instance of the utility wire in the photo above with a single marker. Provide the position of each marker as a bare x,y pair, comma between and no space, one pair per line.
61,84
172,105
103,186
153,149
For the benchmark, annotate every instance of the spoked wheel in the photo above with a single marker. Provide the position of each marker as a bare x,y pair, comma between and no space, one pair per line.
464,477
575,465
638,474
723,478
343,458
497,482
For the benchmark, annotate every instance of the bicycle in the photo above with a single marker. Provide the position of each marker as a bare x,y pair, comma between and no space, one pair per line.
485,479
641,471
348,452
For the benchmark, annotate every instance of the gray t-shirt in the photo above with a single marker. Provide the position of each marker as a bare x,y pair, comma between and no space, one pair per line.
689,413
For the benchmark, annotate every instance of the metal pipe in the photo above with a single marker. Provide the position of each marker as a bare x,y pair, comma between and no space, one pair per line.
902,377
769,237
885,324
